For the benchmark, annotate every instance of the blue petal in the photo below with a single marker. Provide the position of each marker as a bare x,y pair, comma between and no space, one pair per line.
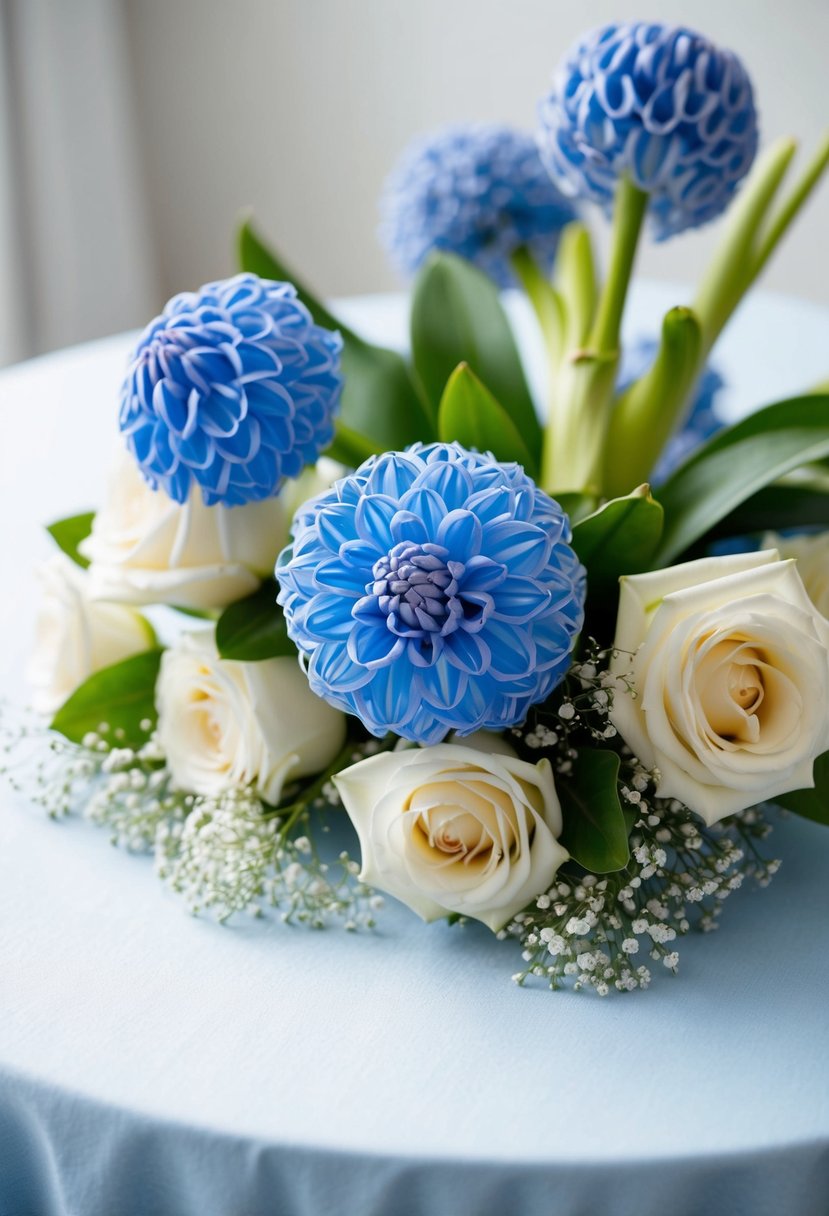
373,644
428,506
393,474
523,548
519,600
332,668
513,650
373,520
461,533
328,617
468,651
336,524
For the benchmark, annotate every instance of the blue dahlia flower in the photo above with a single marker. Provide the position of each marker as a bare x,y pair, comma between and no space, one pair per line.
477,191
233,387
660,104
433,590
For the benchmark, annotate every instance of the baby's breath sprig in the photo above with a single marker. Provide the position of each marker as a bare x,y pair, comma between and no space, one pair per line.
224,854
591,930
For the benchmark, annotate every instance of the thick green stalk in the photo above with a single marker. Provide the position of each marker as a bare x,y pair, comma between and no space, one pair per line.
628,214
729,272
583,394
645,416
788,212
575,281
545,300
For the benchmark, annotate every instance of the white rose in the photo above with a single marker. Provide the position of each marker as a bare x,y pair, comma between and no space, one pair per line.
75,635
451,829
223,724
146,549
812,556
731,680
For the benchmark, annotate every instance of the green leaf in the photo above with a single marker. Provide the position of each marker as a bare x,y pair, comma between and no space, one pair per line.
254,628
457,318
122,696
620,538
785,505
811,804
380,397
735,464
68,534
595,832
350,448
470,414
576,505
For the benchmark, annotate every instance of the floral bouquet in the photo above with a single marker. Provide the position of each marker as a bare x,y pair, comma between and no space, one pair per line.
548,696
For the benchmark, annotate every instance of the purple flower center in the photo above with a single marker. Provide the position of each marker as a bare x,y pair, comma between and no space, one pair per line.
418,590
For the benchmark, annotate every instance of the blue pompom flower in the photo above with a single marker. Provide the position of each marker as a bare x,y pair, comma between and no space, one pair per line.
477,191
233,387
660,104
433,590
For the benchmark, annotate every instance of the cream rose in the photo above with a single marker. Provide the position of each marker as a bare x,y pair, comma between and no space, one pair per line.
223,724
146,549
812,556
452,829
75,636
729,665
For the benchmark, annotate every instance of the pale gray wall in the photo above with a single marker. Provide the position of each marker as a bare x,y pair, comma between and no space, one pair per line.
299,107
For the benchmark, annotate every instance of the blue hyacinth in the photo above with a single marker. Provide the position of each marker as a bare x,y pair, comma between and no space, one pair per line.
477,191
233,387
433,590
660,104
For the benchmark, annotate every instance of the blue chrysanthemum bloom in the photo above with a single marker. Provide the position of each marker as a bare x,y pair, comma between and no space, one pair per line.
702,420
433,590
477,191
661,104
233,387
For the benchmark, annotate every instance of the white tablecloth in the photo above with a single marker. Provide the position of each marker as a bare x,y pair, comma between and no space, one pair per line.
157,1064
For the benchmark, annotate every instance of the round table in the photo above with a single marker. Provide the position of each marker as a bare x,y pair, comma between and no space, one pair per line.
156,1064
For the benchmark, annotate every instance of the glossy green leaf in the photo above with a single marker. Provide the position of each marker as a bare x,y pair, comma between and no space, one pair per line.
380,397
595,832
577,506
735,464
122,696
470,415
620,538
68,534
811,804
254,628
786,504
457,318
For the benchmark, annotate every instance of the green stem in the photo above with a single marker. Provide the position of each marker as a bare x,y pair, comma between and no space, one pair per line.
628,214
788,212
725,280
543,297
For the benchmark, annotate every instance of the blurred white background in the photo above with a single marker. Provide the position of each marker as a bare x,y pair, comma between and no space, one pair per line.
132,132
